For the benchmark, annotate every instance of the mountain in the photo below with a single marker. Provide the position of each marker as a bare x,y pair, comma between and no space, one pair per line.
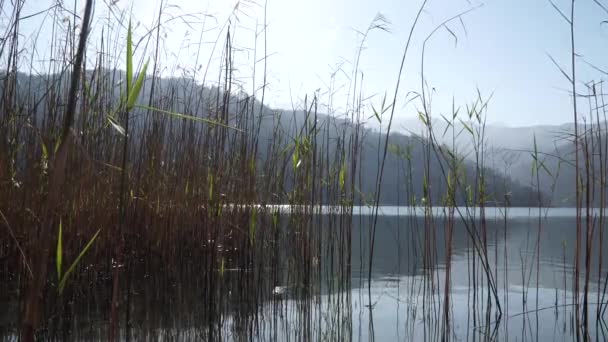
404,178
512,152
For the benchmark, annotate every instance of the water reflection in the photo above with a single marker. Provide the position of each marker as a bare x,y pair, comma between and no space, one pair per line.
294,291
400,280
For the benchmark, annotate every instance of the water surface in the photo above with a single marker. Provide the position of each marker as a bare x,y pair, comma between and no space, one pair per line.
531,263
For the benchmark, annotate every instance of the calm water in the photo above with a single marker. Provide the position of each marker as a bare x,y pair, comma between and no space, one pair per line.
405,298
398,279
400,304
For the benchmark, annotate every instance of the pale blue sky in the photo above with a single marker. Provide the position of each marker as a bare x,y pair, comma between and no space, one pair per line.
504,49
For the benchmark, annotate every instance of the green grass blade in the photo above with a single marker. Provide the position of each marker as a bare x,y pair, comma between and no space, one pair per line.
252,165
275,219
129,58
295,158
422,118
342,176
188,117
222,268
134,93
210,186
116,126
252,225
59,252
542,165
467,127
57,143
75,263
45,152
376,114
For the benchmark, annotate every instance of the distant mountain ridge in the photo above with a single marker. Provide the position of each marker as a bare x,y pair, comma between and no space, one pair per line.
402,179
510,150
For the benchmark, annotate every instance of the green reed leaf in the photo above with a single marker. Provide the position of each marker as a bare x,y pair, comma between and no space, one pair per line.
116,125
59,251
75,263
129,58
188,117
252,224
134,92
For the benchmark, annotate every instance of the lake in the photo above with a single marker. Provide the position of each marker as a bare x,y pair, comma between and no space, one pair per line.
403,300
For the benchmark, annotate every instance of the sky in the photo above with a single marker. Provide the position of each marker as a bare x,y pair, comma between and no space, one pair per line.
501,49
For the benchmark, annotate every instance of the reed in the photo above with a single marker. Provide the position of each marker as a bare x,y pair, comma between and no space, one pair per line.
128,179
163,182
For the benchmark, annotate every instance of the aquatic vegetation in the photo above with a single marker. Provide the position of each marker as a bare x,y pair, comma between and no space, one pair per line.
147,201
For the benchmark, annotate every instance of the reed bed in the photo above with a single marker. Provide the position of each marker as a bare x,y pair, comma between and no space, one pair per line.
165,181
123,186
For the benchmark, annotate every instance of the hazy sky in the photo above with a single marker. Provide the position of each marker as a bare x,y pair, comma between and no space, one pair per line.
503,51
